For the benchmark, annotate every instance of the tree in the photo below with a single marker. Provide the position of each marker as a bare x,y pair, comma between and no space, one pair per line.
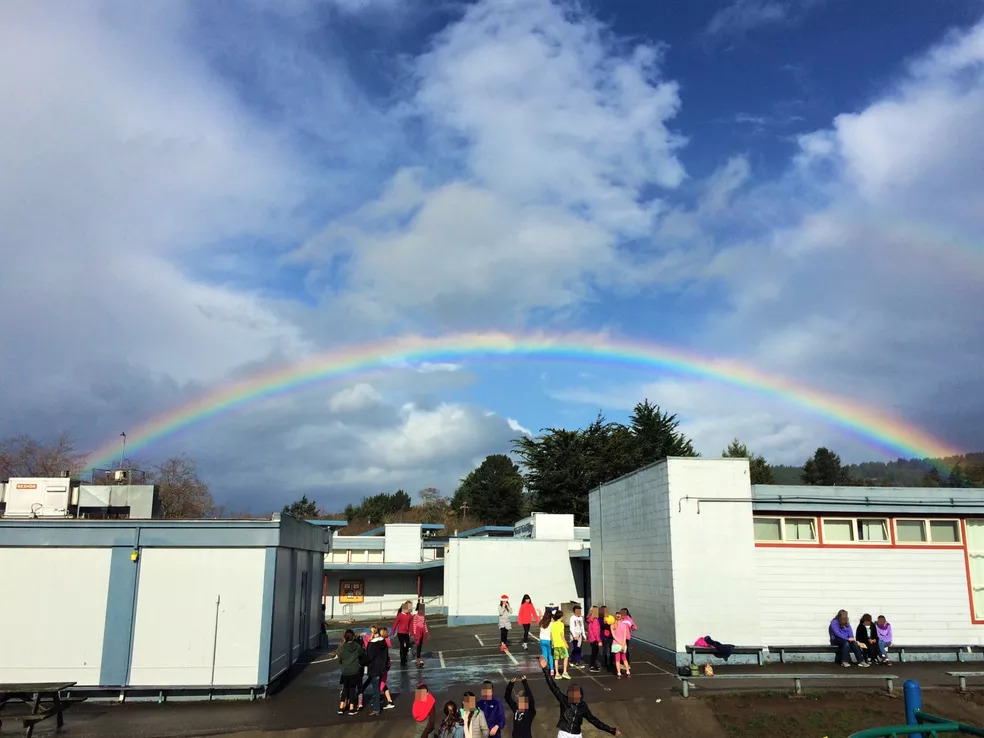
182,493
758,468
656,434
493,492
825,469
379,507
302,509
23,456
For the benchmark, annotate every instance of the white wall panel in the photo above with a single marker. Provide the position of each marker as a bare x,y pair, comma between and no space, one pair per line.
923,593
175,625
53,613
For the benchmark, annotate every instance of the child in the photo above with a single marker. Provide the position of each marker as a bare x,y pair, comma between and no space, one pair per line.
491,707
527,616
523,709
627,617
559,642
374,658
842,636
452,726
594,637
390,704
349,653
867,637
473,718
401,626
419,631
620,635
423,711
606,639
546,648
884,629
577,636
573,710
505,612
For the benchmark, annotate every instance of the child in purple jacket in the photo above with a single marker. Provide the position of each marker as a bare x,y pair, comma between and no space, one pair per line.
884,629
842,635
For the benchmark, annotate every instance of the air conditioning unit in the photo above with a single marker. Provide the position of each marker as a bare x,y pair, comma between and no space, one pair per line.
121,475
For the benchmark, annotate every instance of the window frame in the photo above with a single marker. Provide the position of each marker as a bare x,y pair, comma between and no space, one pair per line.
856,540
783,539
928,529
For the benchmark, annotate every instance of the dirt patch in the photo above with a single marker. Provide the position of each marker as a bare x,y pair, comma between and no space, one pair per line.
831,714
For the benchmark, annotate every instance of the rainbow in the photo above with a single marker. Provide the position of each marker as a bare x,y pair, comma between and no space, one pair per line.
872,424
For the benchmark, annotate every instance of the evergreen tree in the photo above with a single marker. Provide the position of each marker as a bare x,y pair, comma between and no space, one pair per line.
493,491
825,469
758,468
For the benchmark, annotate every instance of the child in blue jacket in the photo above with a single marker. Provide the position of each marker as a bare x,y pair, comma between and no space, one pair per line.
494,711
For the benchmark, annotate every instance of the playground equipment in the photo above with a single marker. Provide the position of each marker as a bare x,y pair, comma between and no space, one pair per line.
918,723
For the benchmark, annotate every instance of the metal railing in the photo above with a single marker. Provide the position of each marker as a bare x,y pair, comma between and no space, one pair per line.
918,723
386,608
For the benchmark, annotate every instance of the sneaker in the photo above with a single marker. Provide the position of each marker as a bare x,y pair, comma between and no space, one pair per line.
341,711
353,712
565,675
525,647
373,713
864,664
594,668
389,705
845,665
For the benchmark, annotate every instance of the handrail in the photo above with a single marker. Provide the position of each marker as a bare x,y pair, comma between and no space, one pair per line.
928,725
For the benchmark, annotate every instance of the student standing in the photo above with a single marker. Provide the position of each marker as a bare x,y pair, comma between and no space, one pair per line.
620,635
495,713
390,704
577,636
559,642
627,618
546,648
505,614
349,653
374,659
523,709
843,636
474,719
527,616
423,710
606,639
884,629
419,631
573,709
452,726
594,637
401,627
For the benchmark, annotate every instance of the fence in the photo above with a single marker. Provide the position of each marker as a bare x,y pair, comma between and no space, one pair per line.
387,608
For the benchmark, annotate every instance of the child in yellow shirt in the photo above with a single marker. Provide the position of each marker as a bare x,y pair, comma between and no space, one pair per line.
559,642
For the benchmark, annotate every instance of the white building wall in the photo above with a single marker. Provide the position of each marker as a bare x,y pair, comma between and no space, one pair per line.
478,571
176,630
631,562
713,561
923,593
55,631
404,543
553,527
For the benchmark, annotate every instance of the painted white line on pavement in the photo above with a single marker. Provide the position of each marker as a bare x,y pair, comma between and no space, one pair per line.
599,684
512,658
323,661
480,642
501,674
659,668
440,655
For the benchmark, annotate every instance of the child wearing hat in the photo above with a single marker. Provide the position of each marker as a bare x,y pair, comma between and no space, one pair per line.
505,613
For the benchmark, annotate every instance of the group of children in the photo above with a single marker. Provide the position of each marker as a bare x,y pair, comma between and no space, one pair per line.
486,717
365,661
607,634
869,642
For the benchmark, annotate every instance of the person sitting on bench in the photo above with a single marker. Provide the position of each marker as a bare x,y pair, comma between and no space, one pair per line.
842,635
867,638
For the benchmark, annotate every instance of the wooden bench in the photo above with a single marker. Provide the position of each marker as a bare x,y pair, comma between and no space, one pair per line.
963,676
694,650
35,694
797,679
960,651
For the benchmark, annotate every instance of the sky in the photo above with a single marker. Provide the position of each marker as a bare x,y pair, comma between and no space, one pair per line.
192,193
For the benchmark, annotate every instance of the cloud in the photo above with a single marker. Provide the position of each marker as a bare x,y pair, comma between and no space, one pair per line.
742,16
356,397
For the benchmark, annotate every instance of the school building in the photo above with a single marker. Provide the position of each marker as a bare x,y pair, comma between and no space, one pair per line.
459,574
693,549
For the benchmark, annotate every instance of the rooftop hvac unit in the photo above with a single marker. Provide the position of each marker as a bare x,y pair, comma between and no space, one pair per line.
121,476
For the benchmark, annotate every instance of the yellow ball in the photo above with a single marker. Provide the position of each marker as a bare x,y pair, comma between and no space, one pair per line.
610,619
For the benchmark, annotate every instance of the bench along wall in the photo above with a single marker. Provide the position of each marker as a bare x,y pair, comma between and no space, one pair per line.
180,605
478,571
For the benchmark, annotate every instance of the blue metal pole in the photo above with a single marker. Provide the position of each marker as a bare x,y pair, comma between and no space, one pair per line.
913,702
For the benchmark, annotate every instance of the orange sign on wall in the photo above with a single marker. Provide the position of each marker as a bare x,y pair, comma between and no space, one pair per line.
27,486
351,591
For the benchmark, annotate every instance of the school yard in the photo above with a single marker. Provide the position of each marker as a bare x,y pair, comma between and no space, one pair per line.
458,659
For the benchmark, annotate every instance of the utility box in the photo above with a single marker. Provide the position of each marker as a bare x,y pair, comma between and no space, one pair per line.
38,497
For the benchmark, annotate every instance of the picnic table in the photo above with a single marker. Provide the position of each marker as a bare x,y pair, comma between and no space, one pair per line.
36,694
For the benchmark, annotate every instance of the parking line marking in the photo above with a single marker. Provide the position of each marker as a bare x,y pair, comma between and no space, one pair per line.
501,674
480,643
512,658
599,684
440,655
659,669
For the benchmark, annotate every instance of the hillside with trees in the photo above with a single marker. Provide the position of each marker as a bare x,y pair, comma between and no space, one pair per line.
966,470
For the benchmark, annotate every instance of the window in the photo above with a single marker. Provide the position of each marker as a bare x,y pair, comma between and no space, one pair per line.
975,557
873,530
838,531
942,532
793,530
910,531
768,529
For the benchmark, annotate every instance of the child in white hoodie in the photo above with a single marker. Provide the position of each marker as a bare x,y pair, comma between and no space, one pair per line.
576,625
505,614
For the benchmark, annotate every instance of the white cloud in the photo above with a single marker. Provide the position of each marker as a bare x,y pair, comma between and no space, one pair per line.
741,16
515,425
356,397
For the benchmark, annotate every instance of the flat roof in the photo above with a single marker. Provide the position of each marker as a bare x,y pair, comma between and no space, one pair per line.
328,523
900,500
487,529
398,566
